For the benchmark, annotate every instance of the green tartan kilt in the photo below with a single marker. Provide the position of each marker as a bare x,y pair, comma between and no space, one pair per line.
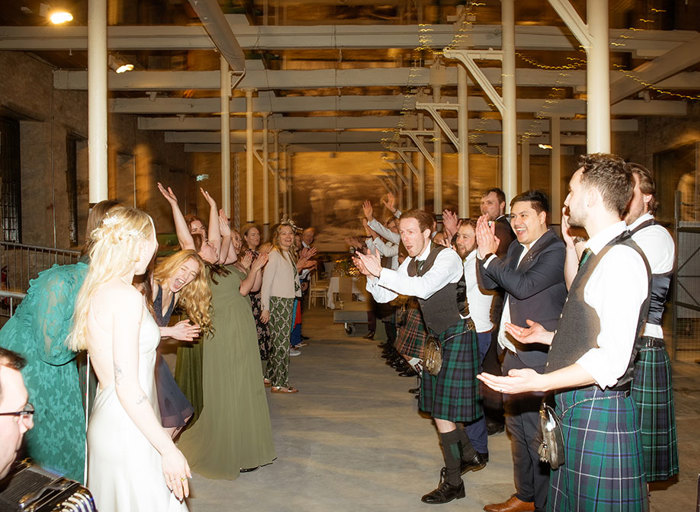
453,394
652,391
604,468
410,335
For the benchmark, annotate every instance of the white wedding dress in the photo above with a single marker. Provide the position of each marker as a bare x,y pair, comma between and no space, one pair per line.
124,469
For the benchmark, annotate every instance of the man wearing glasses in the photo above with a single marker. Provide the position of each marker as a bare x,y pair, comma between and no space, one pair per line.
16,413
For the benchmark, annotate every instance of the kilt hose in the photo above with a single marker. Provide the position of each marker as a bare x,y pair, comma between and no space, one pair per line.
410,335
453,394
652,391
604,467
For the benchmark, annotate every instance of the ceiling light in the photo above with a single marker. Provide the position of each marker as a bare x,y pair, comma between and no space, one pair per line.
544,146
58,17
124,67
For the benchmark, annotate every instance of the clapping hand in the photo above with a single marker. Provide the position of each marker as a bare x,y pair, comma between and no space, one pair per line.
368,210
224,225
450,222
371,262
168,194
246,260
486,239
259,262
390,202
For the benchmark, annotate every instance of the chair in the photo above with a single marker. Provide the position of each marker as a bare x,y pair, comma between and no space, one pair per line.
317,289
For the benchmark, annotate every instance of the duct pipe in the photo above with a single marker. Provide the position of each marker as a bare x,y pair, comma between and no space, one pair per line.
225,78
555,130
525,164
598,78
462,134
510,148
219,30
276,184
266,176
250,212
437,152
97,102
421,167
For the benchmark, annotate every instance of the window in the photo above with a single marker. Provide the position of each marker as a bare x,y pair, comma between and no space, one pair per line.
10,174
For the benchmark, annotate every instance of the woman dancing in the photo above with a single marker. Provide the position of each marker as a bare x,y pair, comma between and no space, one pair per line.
133,463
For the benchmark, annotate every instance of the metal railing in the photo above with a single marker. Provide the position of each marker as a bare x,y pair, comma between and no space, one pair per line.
22,263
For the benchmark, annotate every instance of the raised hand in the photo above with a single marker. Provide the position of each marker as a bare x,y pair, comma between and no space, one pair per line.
246,260
565,234
259,262
224,225
372,262
168,194
390,202
368,210
486,239
360,265
535,333
206,195
450,222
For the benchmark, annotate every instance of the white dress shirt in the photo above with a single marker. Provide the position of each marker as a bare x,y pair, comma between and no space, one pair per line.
615,290
657,245
386,249
479,302
446,269
384,231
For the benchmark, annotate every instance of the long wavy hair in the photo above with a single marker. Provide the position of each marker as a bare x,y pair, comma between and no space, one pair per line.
276,241
114,251
195,297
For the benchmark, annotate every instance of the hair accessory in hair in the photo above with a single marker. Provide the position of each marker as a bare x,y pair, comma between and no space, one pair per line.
289,222
109,220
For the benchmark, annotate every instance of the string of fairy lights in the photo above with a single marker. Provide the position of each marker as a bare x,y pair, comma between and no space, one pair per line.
557,92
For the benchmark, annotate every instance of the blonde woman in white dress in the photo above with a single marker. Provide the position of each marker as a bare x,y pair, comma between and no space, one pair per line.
133,464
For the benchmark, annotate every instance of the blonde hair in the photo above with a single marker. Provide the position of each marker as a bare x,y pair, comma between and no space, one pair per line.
195,297
276,241
114,251
95,216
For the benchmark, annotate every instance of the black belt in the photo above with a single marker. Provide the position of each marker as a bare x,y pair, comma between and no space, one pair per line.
651,342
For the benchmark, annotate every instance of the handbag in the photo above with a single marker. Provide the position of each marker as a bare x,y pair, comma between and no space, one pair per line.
432,352
551,447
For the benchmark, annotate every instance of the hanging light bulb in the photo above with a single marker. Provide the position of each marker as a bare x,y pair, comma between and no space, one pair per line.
59,17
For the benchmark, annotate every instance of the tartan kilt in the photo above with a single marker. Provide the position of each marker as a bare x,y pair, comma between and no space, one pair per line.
604,467
453,394
652,391
410,336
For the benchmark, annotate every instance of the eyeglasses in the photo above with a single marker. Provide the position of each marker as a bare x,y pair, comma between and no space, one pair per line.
26,414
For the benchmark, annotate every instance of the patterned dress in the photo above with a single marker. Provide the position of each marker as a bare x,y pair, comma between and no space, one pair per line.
261,328
38,331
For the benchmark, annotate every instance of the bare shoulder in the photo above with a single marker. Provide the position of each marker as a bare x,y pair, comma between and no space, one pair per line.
118,296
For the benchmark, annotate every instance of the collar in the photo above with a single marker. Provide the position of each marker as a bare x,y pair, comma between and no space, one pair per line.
532,244
647,216
471,256
599,241
424,255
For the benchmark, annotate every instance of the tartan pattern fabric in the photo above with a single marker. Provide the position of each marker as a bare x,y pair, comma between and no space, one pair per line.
652,392
453,394
604,465
280,326
410,336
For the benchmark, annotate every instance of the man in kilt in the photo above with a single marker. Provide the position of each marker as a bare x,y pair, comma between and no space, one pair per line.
432,273
591,358
532,275
651,387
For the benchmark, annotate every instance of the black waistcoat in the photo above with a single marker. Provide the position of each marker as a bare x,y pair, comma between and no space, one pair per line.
442,310
660,285
579,325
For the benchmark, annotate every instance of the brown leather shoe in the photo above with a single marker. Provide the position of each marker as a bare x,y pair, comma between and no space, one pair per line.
512,505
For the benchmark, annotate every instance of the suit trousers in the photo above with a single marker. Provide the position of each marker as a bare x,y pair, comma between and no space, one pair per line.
523,424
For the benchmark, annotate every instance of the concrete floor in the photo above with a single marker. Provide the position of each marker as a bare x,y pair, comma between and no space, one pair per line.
352,440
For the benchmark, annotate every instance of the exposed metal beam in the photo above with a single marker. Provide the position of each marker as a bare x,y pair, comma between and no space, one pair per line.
644,44
396,103
219,29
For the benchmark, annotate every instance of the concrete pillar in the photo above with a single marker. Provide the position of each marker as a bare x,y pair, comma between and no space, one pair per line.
510,133
421,168
555,185
437,152
525,164
462,135
266,176
98,184
598,78
225,79
249,161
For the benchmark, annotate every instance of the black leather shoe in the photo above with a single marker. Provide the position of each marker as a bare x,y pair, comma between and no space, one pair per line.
476,463
408,372
445,492
493,427
304,337
414,390
369,335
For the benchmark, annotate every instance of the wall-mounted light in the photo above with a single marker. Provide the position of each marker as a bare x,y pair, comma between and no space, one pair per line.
124,68
119,64
544,146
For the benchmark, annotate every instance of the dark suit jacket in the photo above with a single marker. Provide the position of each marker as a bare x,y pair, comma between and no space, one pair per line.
535,288
505,234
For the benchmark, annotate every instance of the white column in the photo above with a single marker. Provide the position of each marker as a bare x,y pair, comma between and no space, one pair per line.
276,184
285,182
225,79
98,182
421,167
525,163
290,171
555,185
437,152
510,133
598,78
250,211
462,135
409,186
266,176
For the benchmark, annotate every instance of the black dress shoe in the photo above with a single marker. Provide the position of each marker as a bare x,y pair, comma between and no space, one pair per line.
493,427
414,390
476,463
445,492
369,335
408,372
304,337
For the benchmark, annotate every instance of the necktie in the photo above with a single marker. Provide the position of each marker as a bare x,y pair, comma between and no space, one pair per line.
419,266
584,256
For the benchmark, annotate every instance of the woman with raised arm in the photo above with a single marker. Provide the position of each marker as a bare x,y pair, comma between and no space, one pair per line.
251,242
133,463
233,433
180,279
38,331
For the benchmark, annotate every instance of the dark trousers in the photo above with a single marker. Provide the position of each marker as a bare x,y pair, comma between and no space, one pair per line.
523,425
477,431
